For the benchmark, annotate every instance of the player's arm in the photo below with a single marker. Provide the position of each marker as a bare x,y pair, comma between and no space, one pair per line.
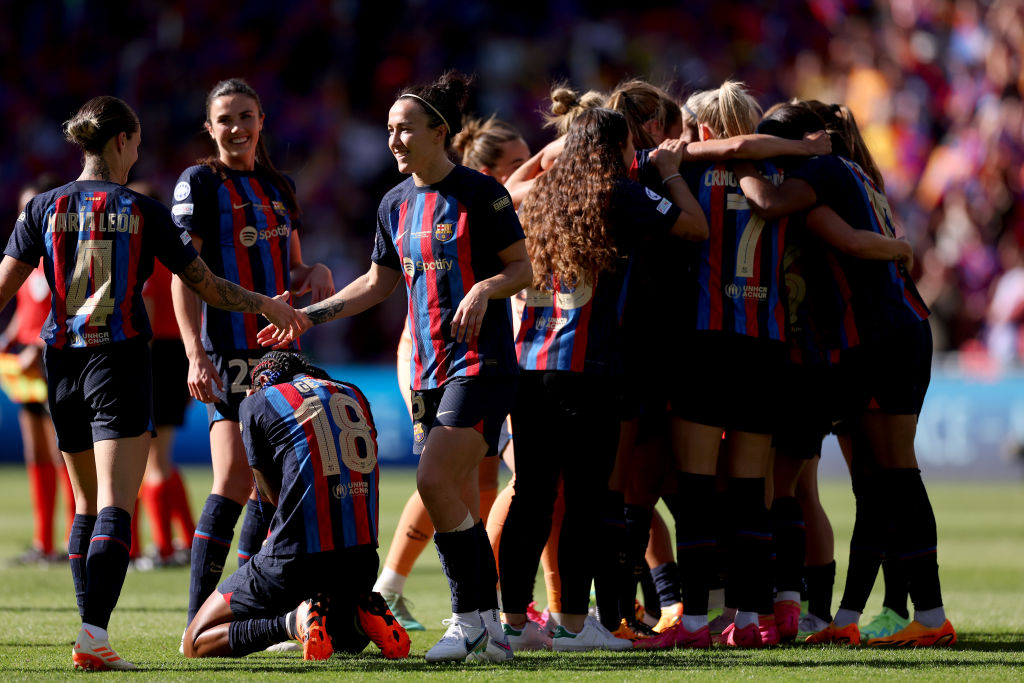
862,244
315,278
521,181
189,314
770,201
13,274
691,224
517,273
366,291
756,146
216,291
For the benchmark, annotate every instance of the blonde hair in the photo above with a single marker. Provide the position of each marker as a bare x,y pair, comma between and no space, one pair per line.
728,111
479,143
640,102
100,119
567,104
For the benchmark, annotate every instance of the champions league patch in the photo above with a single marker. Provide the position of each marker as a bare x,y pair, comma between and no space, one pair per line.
443,232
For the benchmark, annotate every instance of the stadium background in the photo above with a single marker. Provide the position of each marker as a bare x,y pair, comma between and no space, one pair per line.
935,85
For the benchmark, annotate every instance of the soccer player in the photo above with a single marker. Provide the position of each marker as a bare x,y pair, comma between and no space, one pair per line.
494,148
452,234
98,240
565,418
243,217
885,368
312,446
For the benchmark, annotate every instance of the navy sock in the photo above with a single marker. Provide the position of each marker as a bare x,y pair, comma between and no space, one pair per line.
255,526
78,549
696,540
866,544
750,563
637,534
460,559
666,582
488,570
253,635
610,573
652,602
895,587
790,537
210,548
913,539
106,564
820,579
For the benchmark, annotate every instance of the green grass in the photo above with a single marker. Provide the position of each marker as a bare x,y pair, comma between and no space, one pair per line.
981,530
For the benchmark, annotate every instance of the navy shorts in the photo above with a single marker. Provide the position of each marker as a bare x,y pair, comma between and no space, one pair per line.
807,411
235,370
482,403
730,381
99,393
170,382
890,374
269,586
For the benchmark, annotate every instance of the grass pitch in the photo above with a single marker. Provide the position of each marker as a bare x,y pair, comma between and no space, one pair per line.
981,555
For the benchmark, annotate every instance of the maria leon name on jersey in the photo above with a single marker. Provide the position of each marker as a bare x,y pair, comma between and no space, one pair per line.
86,221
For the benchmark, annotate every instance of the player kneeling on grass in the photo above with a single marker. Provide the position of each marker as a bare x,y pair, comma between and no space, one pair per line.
312,446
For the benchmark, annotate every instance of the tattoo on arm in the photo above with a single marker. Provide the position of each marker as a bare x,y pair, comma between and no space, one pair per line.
325,310
218,291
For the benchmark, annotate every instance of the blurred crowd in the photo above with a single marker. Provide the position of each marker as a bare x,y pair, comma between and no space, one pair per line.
935,85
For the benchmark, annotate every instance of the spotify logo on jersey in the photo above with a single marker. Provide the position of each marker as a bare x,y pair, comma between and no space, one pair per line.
248,236
409,266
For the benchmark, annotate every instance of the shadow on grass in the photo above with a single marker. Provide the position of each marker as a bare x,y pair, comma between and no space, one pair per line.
567,664
50,608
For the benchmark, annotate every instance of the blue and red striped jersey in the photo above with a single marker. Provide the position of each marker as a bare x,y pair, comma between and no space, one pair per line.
320,437
245,226
98,241
739,273
875,296
445,238
578,328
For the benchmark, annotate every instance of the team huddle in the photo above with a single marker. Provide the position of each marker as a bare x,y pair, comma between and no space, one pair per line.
754,257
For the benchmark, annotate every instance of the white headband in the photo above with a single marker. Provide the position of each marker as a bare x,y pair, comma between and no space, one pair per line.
431,107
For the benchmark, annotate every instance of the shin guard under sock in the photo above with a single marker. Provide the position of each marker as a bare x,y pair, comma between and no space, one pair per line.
895,588
696,540
820,581
866,544
912,536
611,570
666,583
790,539
106,564
459,553
253,635
752,540
488,599
78,549
255,526
210,548
638,534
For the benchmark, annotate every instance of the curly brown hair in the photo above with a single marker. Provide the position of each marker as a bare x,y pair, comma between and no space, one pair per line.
565,215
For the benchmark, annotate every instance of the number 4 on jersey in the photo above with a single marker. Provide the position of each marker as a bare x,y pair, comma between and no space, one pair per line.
92,265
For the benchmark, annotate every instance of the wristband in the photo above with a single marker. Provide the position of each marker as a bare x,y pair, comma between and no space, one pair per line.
664,181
